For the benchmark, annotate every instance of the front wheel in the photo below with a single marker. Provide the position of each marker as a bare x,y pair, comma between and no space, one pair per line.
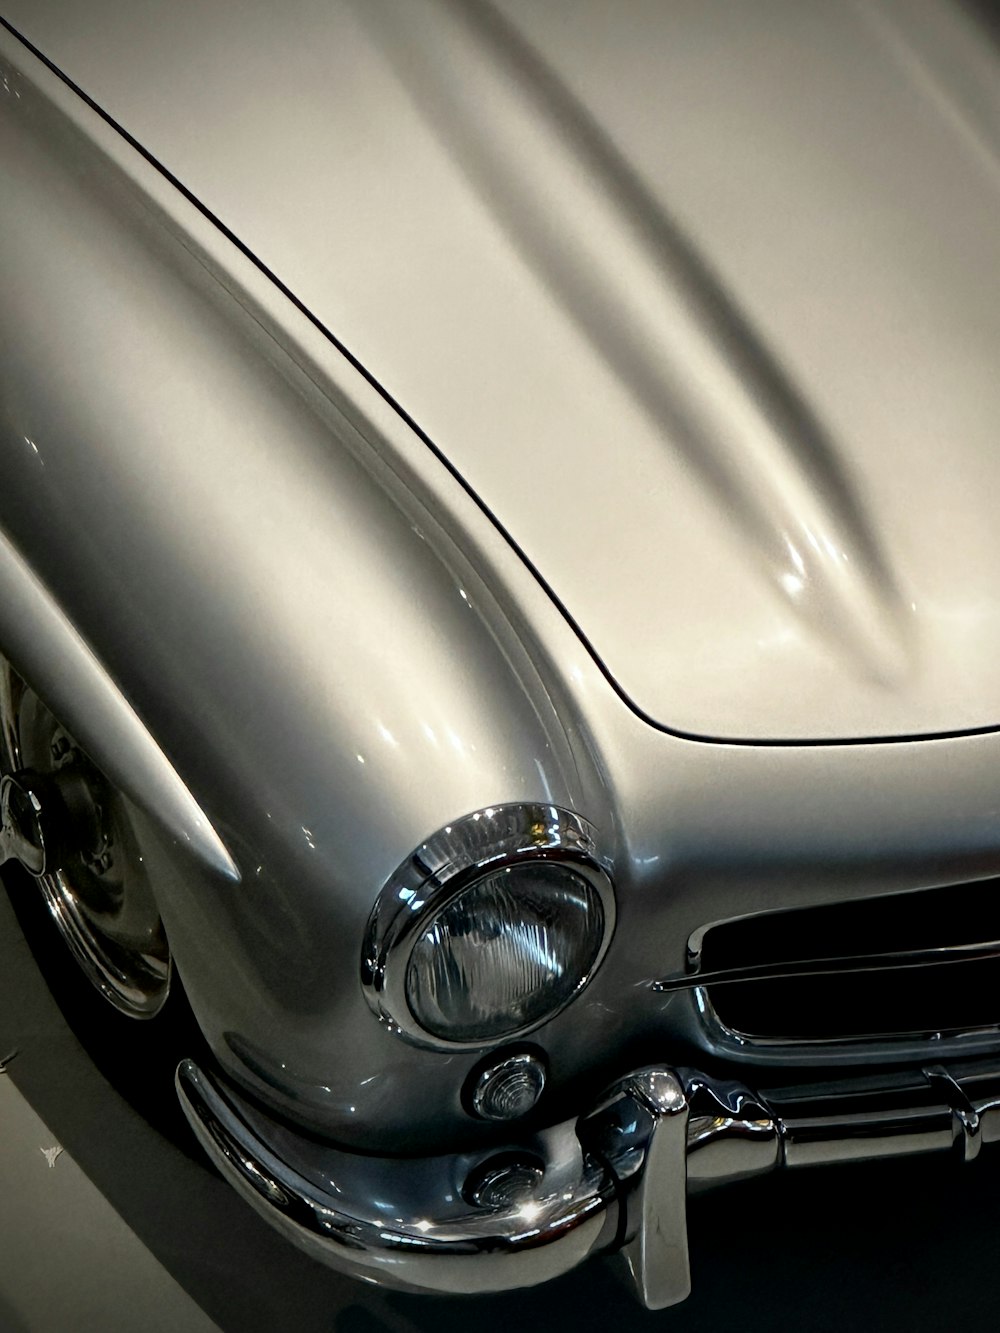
97,890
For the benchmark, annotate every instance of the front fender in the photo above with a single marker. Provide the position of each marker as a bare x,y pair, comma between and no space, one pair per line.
235,528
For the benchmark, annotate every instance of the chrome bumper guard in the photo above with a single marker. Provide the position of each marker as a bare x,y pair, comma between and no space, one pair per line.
614,1179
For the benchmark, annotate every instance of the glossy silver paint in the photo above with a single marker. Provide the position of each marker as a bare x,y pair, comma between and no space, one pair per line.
698,357
723,278
337,653
40,639
401,694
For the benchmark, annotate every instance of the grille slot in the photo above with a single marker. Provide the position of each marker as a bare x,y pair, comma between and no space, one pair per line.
952,997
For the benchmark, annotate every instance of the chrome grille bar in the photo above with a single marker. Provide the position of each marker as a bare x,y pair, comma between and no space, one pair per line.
983,951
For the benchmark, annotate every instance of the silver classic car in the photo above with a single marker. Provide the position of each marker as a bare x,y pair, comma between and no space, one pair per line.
500,593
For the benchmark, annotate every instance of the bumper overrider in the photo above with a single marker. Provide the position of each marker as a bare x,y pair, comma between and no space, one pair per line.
616,1178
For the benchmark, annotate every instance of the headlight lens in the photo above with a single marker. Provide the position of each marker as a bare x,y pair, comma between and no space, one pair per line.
508,951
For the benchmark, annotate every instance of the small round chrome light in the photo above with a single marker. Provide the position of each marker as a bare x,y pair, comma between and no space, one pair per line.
489,928
504,1183
509,1088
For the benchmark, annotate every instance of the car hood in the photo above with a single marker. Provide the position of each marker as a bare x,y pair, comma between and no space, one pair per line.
702,300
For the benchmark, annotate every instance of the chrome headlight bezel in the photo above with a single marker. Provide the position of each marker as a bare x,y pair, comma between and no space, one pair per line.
440,870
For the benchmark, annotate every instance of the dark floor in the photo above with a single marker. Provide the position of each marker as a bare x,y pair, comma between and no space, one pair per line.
902,1246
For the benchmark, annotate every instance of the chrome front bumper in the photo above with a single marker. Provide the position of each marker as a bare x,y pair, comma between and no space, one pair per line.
617,1178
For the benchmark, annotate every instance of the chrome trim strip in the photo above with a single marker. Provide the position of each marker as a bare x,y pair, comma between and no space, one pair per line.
446,864
820,967
914,1047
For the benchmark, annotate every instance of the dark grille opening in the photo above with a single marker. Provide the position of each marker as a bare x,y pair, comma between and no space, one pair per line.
948,997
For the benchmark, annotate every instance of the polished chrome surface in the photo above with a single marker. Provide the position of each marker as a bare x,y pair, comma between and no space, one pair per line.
732,1134
657,1252
919,1114
508,1088
731,268
616,1177
449,862
876,1047
735,1134
967,1112
504,1184
820,1005
822,967
407,1223
84,855
22,830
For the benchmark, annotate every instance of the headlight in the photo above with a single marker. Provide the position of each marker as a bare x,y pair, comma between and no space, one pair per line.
505,953
489,928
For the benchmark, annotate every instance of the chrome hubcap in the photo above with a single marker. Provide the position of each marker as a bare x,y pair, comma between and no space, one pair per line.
22,835
76,835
